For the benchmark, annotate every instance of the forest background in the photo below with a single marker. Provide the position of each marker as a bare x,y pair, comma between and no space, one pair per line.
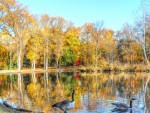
45,41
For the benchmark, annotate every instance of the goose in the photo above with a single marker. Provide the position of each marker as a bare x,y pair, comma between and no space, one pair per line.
65,104
122,106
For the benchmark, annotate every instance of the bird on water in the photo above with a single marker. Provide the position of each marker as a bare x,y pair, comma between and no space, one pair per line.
65,105
122,107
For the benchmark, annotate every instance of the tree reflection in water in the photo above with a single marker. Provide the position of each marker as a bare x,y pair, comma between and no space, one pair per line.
94,92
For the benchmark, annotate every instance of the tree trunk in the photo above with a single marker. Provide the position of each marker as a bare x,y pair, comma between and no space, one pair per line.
44,61
96,52
10,58
33,64
46,56
144,31
19,59
57,63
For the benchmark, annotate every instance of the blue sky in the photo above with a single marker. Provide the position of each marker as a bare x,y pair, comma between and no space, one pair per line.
114,13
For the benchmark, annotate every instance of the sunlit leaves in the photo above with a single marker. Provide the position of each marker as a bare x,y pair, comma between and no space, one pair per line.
34,48
3,56
95,43
71,46
57,41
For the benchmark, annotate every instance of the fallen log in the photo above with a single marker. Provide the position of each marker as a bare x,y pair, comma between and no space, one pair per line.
18,109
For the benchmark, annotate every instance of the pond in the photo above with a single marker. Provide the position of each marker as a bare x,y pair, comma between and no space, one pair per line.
94,92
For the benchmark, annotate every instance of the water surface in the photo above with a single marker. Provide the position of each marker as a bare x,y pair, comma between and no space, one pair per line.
94,92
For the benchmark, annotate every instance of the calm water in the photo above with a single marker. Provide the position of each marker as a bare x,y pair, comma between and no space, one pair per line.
94,92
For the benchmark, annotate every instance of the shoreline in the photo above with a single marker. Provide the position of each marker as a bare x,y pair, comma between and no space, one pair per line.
3,109
50,69
26,71
73,68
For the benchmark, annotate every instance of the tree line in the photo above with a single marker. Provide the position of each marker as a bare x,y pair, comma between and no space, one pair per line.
44,40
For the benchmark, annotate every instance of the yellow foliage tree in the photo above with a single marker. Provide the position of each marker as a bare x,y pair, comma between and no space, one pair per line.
34,50
16,22
3,56
108,44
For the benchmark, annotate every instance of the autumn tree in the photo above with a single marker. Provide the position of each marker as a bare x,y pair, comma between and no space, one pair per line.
3,56
147,35
34,46
108,45
87,47
126,37
95,41
58,34
142,26
97,34
46,23
71,45
16,22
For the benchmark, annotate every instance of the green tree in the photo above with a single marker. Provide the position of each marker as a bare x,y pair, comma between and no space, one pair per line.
71,46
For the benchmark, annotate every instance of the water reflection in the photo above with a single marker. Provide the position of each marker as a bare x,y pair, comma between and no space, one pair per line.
94,92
